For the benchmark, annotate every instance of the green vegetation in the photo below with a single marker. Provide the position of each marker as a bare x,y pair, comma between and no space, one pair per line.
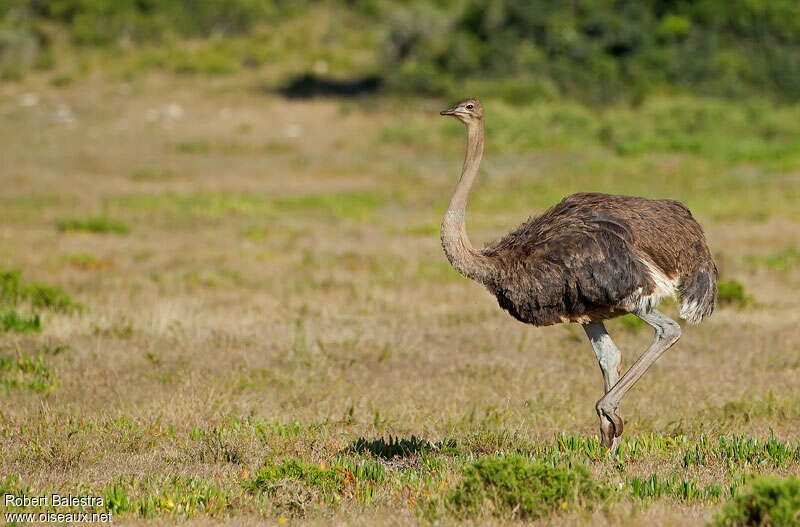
292,482
88,262
778,260
396,446
632,323
769,502
326,479
684,489
353,205
101,22
59,81
194,147
594,50
513,486
13,291
10,320
120,328
26,372
98,224
169,495
731,292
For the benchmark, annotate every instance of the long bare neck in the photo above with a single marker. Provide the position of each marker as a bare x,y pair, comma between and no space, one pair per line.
462,255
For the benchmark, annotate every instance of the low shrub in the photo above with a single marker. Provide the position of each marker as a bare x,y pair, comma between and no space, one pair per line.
513,486
731,292
769,502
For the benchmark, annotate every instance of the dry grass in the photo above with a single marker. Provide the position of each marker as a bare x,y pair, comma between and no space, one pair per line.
281,292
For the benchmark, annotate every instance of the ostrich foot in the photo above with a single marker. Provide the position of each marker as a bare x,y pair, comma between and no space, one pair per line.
610,427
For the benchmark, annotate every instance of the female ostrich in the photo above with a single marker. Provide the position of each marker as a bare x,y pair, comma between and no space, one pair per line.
589,258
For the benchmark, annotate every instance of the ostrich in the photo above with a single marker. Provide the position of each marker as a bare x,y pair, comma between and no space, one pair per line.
589,258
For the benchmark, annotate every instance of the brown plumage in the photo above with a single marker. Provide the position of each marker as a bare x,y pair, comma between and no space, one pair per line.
586,259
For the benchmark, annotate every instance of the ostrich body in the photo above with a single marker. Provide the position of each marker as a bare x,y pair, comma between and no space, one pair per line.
589,258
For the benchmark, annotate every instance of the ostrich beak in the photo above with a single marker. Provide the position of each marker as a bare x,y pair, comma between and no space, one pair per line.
449,111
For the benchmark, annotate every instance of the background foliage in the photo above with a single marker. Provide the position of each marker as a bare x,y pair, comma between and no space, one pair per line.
596,50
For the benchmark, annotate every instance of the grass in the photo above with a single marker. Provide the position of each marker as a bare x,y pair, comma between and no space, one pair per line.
10,320
779,260
352,205
26,372
14,291
95,224
280,336
88,262
153,174
170,495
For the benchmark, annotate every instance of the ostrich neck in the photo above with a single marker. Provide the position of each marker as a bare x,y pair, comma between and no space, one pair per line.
462,255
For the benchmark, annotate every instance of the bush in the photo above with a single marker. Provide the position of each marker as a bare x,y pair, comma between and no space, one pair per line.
100,22
770,502
514,486
269,476
731,292
599,49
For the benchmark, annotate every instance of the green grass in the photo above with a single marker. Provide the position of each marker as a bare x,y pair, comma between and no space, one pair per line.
654,487
13,291
348,205
62,80
95,224
194,147
178,496
779,260
354,206
26,372
10,320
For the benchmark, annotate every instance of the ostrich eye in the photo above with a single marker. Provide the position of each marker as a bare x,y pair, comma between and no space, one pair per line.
469,107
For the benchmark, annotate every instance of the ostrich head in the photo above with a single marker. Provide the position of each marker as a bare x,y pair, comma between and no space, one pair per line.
468,111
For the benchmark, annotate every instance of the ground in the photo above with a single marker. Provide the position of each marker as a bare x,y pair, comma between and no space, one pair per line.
254,280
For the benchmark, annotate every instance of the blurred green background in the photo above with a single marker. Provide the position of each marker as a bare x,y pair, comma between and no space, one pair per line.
596,51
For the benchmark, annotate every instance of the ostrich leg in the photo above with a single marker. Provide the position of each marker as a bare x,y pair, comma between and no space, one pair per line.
667,332
609,357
